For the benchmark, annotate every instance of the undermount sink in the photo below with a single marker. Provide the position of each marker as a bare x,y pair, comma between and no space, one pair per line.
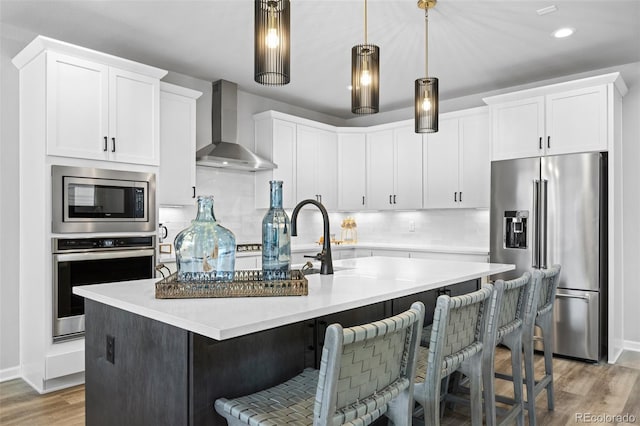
311,271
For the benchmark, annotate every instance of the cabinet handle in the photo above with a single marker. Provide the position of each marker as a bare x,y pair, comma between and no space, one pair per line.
363,200
455,197
460,196
390,200
540,143
113,146
105,144
194,192
320,198
548,141
394,198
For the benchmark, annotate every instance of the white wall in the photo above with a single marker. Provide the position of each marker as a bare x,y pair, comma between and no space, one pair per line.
9,208
631,207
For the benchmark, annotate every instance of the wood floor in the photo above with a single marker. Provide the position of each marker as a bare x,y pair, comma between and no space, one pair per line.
601,389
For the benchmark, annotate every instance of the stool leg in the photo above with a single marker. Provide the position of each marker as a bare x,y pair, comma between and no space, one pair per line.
547,339
474,367
488,389
527,344
514,343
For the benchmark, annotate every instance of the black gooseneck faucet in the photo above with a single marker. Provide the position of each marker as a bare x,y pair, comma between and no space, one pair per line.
326,265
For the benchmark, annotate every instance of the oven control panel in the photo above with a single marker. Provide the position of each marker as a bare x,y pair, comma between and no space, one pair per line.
101,243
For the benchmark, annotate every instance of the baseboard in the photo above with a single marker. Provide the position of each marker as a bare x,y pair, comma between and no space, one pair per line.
9,374
631,345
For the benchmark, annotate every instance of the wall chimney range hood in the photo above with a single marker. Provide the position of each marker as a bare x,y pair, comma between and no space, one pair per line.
225,152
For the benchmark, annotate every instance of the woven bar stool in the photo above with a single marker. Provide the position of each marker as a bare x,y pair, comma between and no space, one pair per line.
539,313
455,344
506,319
365,372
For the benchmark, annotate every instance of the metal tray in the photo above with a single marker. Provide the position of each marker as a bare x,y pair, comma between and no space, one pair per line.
246,283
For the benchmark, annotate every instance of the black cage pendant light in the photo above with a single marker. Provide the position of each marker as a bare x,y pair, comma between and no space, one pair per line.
365,75
426,89
272,42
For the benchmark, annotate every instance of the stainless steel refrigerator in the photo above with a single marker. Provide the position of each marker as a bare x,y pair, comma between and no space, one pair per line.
549,210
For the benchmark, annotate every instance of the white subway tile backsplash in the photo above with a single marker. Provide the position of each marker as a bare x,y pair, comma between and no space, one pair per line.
234,209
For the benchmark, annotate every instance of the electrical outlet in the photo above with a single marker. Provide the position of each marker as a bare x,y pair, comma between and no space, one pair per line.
111,349
412,226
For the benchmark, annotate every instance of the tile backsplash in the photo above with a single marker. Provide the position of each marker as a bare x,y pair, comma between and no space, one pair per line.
234,209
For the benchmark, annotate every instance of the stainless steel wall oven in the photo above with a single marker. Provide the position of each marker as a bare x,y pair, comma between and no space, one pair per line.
84,261
101,200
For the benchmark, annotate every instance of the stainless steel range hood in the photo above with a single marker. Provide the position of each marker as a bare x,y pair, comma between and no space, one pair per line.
225,152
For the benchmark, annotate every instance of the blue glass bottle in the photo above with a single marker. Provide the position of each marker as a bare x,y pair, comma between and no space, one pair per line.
276,238
205,251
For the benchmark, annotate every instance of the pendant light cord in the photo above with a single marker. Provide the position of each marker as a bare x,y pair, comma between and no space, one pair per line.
365,21
426,42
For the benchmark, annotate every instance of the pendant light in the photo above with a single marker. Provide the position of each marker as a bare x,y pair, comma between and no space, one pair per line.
426,89
272,42
365,75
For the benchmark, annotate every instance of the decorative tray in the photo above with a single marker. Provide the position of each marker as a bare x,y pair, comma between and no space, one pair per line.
246,283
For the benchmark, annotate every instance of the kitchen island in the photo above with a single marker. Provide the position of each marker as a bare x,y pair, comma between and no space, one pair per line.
165,361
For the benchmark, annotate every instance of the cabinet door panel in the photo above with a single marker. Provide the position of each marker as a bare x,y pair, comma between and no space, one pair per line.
177,146
577,121
475,164
517,128
352,178
380,170
77,107
306,164
133,114
408,166
327,169
441,175
284,155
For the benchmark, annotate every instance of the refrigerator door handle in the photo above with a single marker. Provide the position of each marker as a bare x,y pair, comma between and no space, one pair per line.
543,224
535,243
572,296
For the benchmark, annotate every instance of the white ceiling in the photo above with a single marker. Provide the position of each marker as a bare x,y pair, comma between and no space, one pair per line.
474,46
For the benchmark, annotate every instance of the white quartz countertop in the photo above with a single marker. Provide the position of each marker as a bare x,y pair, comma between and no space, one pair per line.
167,258
355,283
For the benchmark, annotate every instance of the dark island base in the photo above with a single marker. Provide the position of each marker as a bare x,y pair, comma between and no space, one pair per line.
144,372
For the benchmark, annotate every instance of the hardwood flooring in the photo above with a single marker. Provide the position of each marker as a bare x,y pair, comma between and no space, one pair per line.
600,389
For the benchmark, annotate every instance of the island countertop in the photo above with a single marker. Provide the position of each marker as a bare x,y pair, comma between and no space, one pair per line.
355,283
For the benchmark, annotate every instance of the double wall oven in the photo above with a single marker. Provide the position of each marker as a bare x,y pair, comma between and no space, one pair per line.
110,214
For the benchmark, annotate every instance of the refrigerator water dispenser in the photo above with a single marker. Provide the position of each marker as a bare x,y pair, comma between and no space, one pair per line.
515,229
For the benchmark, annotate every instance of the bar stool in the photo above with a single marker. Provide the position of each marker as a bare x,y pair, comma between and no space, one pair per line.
506,319
455,344
365,372
539,313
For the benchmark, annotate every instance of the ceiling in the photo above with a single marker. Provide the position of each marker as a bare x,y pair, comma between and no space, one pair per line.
474,46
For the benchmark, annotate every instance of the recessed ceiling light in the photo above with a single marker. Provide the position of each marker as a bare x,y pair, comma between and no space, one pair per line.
563,32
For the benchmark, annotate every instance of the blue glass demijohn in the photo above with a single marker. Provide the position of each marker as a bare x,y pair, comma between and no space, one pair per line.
205,251
276,238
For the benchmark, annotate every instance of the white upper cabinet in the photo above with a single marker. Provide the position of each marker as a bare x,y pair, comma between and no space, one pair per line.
177,173
456,161
317,166
276,140
394,169
100,112
558,119
352,171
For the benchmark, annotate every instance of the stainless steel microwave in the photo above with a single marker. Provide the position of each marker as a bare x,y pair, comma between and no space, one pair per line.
100,200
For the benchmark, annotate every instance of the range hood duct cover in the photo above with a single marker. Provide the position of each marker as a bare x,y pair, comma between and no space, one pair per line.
225,152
